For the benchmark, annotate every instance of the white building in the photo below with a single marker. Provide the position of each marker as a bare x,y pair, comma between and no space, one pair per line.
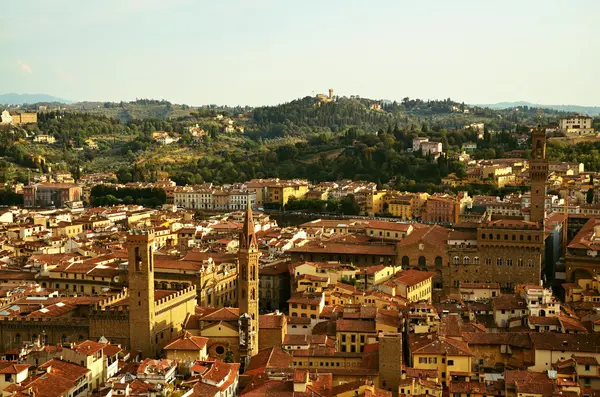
6,117
416,144
575,126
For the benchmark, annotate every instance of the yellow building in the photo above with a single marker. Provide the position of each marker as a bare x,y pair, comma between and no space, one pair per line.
374,202
187,348
311,283
67,229
402,207
368,277
346,367
88,354
420,387
413,285
281,191
447,356
306,304
353,334
318,194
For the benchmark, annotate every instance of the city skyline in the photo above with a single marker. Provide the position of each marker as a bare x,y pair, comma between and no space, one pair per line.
264,52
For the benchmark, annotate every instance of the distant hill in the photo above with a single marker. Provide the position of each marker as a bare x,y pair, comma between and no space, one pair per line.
589,110
19,99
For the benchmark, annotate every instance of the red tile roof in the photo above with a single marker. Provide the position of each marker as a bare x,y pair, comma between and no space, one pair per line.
187,342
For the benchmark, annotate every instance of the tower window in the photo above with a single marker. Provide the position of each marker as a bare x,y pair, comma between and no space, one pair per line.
138,259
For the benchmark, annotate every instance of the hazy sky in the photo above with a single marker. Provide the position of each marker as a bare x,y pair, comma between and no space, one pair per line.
270,51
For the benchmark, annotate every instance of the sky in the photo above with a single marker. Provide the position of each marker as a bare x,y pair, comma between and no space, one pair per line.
263,52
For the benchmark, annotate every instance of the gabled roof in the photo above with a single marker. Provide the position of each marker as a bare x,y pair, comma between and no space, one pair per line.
223,314
89,347
187,342
447,346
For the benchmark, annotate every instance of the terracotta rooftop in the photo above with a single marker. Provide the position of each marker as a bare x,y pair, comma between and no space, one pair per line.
187,342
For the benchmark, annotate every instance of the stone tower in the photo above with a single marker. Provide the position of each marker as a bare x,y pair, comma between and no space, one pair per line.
141,291
390,362
248,289
538,174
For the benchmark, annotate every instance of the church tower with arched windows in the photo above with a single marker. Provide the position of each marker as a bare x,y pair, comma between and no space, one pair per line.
141,291
248,288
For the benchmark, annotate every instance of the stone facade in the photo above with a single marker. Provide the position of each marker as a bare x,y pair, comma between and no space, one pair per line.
390,362
507,252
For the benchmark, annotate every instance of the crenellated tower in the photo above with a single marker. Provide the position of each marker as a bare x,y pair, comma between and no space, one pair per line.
248,255
538,174
141,291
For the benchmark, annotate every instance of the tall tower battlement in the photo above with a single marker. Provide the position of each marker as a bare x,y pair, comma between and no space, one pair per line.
141,291
538,174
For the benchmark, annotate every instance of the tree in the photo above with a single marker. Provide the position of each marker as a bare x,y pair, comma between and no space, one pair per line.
589,197
349,206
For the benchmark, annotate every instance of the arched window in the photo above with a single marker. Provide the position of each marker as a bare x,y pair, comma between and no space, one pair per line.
466,260
483,236
17,338
488,261
528,238
509,262
530,263
439,261
456,260
476,260
405,261
514,237
537,238
422,261
253,294
491,236
521,237
497,237
498,261
506,236
520,262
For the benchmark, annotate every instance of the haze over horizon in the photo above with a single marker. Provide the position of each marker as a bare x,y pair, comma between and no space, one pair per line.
260,52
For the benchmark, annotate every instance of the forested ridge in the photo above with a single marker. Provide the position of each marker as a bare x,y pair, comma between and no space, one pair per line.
352,138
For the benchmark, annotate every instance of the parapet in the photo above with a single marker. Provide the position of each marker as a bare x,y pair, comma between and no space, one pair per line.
70,321
167,300
140,236
111,299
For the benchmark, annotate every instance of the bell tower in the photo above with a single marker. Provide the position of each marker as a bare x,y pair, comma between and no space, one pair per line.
141,291
248,289
538,174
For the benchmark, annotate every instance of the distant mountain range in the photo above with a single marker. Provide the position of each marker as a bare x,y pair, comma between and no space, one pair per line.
589,110
19,99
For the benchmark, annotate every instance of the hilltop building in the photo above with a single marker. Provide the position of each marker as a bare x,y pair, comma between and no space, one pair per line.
576,126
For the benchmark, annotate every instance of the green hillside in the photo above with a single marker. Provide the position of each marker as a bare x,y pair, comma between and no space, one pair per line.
354,138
